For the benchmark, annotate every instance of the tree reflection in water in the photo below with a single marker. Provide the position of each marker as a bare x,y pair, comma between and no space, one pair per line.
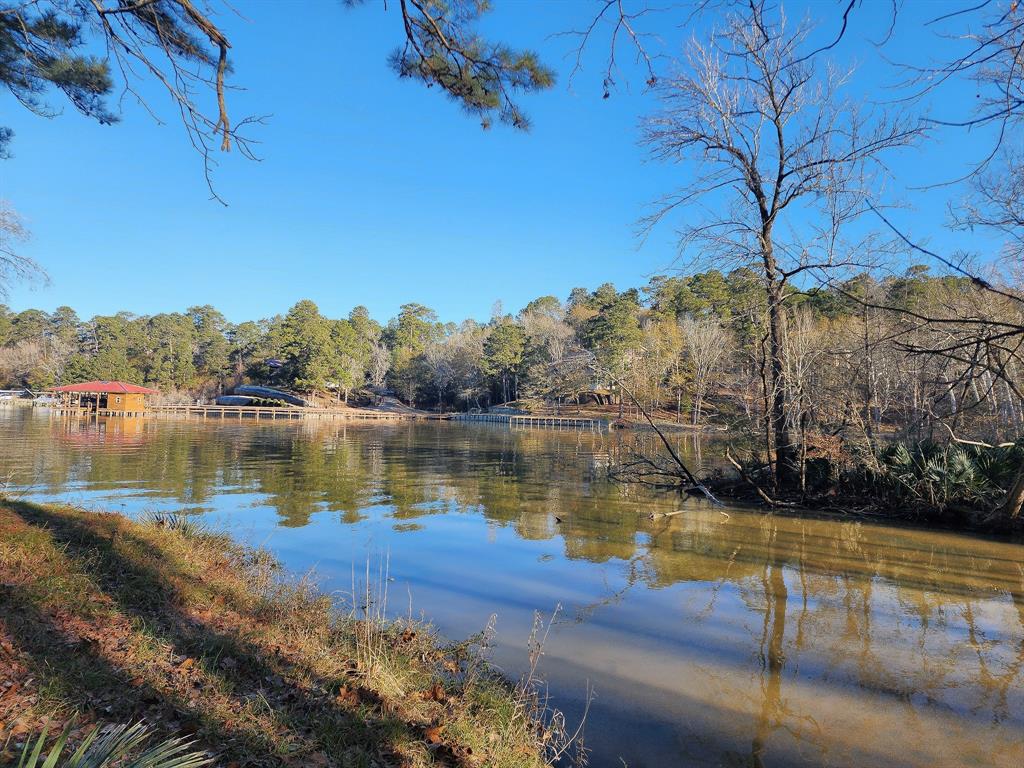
710,639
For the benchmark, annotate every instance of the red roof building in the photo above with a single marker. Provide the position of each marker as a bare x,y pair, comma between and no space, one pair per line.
117,397
107,387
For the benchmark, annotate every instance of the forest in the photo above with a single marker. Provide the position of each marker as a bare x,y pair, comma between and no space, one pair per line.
690,348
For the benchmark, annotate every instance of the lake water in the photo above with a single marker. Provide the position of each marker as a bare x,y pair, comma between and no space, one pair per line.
719,637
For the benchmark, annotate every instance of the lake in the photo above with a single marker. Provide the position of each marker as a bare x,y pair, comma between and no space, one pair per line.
718,637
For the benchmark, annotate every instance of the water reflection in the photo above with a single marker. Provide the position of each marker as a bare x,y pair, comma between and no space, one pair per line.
710,638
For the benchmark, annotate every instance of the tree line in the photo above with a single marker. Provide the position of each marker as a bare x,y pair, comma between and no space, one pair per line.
690,348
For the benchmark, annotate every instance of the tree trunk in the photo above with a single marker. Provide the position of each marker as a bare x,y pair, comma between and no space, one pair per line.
1015,495
869,385
786,470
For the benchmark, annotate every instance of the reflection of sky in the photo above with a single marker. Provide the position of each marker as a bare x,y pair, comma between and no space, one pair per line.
706,639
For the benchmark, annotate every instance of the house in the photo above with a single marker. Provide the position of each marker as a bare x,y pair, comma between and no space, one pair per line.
115,397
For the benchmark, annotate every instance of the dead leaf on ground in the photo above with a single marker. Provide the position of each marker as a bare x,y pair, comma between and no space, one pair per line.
435,693
347,696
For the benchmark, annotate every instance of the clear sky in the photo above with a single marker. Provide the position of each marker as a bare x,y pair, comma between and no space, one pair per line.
378,191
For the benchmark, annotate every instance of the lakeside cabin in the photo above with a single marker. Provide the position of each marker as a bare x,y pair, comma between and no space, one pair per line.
110,397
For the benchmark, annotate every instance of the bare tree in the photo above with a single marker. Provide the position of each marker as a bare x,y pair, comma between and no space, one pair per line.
773,142
380,362
996,203
706,344
437,357
13,264
991,34
33,362
804,351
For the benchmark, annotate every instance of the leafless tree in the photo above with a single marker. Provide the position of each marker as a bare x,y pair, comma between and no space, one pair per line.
14,265
549,337
996,204
804,351
380,362
437,358
33,361
773,142
706,344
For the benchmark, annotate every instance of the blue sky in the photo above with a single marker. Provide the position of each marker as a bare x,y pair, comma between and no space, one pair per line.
377,191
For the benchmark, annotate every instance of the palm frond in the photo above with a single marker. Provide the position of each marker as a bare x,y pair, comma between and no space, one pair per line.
113,746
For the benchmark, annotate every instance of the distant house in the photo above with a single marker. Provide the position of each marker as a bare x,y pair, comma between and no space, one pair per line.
108,396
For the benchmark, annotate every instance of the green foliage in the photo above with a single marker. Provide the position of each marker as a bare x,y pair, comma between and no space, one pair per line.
6,325
936,477
503,357
545,305
613,331
45,50
443,49
307,347
635,334
170,361
211,356
116,746
408,336
28,325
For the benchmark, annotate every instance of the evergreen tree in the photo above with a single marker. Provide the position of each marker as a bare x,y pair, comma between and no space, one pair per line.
309,352
409,334
503,357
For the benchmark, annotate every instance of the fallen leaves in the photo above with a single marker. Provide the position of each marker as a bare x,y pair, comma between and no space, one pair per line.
435,693
347,696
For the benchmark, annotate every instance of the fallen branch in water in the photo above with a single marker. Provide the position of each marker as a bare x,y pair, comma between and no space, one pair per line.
760,491
659,515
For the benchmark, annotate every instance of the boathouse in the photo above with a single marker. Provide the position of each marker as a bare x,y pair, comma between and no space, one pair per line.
115,397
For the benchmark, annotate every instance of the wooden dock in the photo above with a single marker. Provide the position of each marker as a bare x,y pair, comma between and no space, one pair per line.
249,412
269,413
541,420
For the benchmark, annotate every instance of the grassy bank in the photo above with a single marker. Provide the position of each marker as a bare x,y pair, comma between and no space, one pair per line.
107,620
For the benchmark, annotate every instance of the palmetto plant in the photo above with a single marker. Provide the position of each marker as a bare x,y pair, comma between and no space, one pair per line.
123,746
939,476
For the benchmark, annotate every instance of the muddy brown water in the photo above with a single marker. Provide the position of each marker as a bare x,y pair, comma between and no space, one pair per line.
719,637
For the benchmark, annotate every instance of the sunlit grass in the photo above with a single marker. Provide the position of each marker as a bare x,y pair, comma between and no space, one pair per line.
163,620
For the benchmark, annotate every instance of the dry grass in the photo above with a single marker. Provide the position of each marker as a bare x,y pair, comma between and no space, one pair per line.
115,620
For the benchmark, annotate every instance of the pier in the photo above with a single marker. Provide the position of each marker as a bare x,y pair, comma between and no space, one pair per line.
248,412
540,420
258,413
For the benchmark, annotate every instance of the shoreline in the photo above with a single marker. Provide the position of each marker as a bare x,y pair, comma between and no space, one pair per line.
1009,531
119,620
